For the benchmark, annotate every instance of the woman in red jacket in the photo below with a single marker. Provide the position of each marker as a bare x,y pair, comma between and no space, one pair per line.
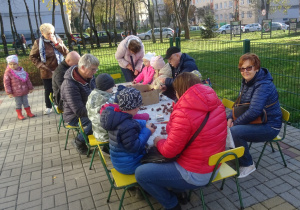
191,169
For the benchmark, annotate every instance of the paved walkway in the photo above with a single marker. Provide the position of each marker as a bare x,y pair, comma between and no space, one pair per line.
37,173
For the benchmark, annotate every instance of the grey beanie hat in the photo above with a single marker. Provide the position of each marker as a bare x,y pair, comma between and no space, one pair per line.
129,98
104,82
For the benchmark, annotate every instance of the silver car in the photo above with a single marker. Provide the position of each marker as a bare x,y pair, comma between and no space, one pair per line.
252,27
225,29
166,33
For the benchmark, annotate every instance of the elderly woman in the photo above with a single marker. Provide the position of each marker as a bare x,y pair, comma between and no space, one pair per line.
258,90
46,53
191,169
130,55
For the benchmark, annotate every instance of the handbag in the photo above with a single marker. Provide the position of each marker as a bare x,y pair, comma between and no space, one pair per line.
154,156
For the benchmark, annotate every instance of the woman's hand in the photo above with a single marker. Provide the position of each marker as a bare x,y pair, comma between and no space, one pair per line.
157,139
30,91
53,39
150,127
129,66
229,123
136,72
10,95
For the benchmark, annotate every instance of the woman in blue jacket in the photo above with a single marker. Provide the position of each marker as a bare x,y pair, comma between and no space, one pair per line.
257,89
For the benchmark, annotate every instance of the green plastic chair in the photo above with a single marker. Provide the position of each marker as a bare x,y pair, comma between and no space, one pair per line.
277,139
120,181
225,171
61,121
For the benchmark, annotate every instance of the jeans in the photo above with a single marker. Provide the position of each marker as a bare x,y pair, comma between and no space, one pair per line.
242,134
128,74
85,122
157,178
48,89
21,100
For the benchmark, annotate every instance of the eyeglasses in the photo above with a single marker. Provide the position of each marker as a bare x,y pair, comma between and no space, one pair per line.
248,68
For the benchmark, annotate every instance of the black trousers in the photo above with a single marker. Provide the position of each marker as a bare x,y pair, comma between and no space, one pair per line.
48,89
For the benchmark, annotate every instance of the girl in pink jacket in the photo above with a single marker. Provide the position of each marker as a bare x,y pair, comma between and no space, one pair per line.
147,72
17,84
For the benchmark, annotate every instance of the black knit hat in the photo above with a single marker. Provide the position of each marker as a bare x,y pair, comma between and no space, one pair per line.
171,51
104,82
129,98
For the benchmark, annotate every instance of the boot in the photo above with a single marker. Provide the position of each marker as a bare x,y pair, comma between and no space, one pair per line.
20,116
28,111
80,146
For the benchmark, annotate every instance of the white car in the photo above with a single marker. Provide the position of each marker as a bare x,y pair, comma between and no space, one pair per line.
166,33
225,29
285,26
252,27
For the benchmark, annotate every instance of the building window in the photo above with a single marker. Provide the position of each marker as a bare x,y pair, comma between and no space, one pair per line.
216,6
249,14
230,4
231,15
221,17
221,5
217,17
225,16
242,2
243,14
225,4
249,1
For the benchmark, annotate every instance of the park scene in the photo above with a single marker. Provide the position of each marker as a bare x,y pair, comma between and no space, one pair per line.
150,104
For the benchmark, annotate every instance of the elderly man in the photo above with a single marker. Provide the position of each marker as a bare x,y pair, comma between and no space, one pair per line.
78,83
179,62
71,59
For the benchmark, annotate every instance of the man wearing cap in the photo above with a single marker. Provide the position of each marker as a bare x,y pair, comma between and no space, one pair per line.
179,62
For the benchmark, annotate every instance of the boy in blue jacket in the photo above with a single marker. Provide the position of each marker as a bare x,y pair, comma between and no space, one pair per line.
127,136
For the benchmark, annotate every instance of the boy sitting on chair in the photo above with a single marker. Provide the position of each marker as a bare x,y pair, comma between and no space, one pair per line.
127,136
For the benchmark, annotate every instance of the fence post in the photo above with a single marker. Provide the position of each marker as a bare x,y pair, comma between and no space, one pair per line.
246,46
171,42
79,49
177,40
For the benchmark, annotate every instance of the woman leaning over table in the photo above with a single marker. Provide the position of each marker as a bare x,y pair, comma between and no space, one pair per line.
258,90
46,53
191,169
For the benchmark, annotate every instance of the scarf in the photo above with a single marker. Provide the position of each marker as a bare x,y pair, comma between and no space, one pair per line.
19,73
59,56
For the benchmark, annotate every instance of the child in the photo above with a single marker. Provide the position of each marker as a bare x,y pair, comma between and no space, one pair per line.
17,84
147,72
162,70
127,137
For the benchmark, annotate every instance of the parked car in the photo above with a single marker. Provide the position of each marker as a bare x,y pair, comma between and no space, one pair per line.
20,42
252,27
197,28
277,26
285,26
225,29
103,38
166,33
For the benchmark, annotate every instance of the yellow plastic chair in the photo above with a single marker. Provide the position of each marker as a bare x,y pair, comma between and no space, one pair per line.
61,121
120,181
91,142
225,170
116,76
227,103
277,139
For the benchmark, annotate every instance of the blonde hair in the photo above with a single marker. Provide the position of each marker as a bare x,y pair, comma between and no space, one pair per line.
45,27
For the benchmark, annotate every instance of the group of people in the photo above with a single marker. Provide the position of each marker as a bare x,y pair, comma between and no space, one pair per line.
116,120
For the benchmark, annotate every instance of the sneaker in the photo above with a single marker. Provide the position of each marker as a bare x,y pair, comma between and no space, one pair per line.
80,147
182,198
245,171
47,111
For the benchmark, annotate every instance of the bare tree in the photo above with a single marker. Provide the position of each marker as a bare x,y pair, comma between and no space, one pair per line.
150,9
11,18
29,22
114,23
159,20
81,16
65,24
92,24
39,11
106,22
36,20
3,36
53,12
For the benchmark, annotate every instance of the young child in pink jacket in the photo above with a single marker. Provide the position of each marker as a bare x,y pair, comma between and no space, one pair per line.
147,72
17,84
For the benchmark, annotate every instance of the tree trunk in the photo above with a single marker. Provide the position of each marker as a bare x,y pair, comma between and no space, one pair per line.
3,36
81,22
95,30
65,24
177,18
135,20
114,23
53,12
36,20
29,22
151,20
186,7
11,26
39,10
159,20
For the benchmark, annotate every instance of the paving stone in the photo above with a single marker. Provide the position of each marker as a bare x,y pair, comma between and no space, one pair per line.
273,202
291,199
48,202
282,188
258,207
30,205
23,197
285,206
75,205
12,190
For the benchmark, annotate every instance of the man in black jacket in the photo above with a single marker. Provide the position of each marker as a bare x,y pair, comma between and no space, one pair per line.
179,62
71,59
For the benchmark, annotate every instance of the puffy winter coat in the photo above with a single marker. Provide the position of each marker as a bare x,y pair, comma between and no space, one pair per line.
123,55
47,68
15,85
260,92
57,80
187,116
96,100
186,64
146,75
127,139
75,95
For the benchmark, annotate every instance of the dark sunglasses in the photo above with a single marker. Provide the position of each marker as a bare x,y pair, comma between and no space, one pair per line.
249,68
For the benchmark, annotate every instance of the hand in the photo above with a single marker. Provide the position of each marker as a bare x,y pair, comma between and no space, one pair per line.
30,91
163,87
136,72
134,82
149,126
10,95
162,80
53,39
129,66
229,123
157,139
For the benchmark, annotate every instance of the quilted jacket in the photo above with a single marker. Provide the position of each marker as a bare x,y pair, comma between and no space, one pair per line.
15,85
123,55
127,139
188,114
260,92
75,95
146,75
47,68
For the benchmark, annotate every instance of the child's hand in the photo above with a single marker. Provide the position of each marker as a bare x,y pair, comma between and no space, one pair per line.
162,80
150,127
133,82
10,95
30,91
157,139
136,72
